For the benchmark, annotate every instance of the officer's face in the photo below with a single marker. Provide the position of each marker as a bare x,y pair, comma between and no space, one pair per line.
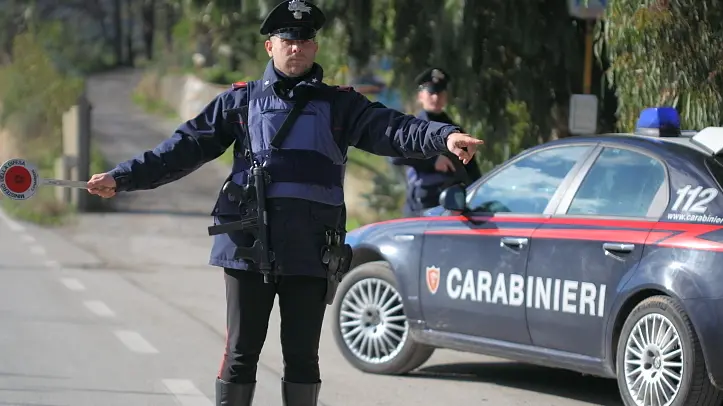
433,102
292,57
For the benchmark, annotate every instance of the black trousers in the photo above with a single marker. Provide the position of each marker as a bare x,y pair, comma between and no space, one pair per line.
249,302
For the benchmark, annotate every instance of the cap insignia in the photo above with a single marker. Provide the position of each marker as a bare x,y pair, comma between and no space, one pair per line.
437,75
298,7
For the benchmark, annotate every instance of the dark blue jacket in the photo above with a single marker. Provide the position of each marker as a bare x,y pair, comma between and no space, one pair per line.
365,125
424,182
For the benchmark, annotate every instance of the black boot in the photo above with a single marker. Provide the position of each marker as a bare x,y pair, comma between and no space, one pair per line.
234,394
300,394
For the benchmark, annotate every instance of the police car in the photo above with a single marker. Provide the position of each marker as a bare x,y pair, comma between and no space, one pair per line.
600,254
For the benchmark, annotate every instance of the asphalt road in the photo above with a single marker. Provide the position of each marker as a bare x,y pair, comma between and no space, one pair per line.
121,309
87,328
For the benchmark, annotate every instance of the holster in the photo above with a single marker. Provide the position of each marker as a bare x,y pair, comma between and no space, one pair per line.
336,256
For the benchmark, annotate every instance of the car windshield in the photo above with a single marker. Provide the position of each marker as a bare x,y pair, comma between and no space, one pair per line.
527,184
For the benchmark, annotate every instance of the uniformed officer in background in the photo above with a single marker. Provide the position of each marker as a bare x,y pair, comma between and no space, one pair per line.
305,194
427,178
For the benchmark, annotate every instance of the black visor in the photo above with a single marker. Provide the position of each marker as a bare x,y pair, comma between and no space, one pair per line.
432,87
295,33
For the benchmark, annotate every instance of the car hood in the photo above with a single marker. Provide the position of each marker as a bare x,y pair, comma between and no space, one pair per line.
353,237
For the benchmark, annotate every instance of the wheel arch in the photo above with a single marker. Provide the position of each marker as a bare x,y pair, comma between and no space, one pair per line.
367,253
622,314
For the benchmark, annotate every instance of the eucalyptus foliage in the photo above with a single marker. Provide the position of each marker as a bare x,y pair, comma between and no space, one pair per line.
510,60
666,53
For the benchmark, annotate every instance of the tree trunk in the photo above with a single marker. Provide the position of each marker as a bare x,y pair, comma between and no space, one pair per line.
170,21
130,54
359,29
118,36
148,12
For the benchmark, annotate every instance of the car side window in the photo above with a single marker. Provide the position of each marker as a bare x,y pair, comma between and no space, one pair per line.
527,185
621,182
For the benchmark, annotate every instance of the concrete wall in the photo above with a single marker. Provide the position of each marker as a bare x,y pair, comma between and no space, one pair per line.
187,94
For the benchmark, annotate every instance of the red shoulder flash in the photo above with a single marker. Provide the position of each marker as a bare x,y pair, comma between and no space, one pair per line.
239,85
345,88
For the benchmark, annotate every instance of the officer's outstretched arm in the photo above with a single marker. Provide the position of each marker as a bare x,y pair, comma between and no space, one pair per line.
388,132
195,142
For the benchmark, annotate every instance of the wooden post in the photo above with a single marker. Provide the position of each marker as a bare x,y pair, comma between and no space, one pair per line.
587,79
75,161
84,139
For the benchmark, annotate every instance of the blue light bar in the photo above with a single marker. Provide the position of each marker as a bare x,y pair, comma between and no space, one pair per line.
658,122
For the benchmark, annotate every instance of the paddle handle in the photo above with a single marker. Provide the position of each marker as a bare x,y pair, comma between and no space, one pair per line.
75,184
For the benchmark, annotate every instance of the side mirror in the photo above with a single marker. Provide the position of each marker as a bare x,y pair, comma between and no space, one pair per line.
453,198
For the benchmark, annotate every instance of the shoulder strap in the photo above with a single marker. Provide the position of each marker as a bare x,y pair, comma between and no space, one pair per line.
243,111
252,94
248,152
302,98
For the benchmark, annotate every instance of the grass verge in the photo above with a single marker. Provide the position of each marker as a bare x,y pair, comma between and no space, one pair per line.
353,223
227,157
360,161
153,106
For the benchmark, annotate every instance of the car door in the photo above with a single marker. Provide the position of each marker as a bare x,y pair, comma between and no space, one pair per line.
584,253
473,266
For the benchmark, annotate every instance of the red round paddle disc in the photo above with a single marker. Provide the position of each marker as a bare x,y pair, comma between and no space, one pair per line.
18,179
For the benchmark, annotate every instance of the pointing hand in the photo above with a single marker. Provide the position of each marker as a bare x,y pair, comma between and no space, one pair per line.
463,145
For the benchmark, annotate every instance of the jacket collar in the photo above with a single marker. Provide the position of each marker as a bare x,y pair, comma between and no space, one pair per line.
314,79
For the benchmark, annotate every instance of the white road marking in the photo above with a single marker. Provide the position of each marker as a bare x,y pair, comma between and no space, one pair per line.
27,238
186,392
73,284
99,308
52,264
10,222
37,250
135,342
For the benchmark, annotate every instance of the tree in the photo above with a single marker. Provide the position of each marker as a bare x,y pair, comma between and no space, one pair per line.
13,21
118,31
355,16
666,53
148,17
511,61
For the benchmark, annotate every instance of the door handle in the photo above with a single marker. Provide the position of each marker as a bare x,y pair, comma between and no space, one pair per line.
513,241
618,247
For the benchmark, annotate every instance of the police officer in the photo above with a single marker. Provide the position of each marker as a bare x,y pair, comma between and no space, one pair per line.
305,198
427,178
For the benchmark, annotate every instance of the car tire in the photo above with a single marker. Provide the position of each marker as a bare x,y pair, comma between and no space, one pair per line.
661,358
401,358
